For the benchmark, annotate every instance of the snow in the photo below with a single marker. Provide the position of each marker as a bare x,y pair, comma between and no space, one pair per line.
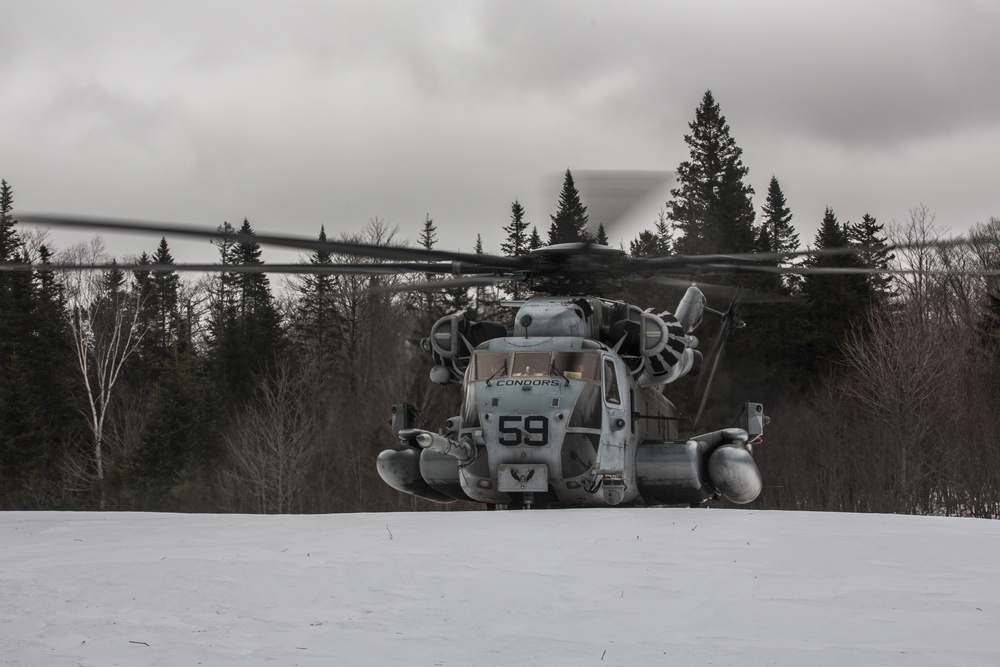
570,587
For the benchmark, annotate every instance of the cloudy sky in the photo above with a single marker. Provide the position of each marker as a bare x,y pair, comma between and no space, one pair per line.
296,114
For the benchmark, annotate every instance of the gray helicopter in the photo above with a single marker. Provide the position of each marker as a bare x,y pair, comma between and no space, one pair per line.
567,408
564,409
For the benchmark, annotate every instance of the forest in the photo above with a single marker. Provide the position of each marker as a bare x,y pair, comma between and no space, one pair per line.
240,391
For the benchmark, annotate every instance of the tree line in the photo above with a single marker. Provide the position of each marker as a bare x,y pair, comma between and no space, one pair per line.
144,390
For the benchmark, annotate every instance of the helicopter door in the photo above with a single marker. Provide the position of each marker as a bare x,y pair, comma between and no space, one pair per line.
611,453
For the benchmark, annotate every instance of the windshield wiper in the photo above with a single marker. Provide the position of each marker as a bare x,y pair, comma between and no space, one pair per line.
497,372
553,371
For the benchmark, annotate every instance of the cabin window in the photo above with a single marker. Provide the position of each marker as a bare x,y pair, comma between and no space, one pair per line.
587,411
611,394
489,365
470,408
577,365
531,364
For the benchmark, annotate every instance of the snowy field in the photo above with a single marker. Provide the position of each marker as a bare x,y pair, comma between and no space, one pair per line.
579,587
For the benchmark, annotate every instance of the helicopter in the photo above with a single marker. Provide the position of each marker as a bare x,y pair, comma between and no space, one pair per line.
566,408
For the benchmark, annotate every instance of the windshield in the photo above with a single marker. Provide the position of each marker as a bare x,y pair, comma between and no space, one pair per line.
531,364
570,365
577,365
489,365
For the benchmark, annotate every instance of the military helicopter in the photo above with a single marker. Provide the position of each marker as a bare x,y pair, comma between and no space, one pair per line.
564,409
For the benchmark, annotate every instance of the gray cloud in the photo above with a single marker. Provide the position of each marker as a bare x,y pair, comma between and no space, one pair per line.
324,112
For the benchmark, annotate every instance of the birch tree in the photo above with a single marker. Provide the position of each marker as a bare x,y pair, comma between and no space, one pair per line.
103,321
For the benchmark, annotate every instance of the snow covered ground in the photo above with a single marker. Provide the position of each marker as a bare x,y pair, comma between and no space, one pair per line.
572,587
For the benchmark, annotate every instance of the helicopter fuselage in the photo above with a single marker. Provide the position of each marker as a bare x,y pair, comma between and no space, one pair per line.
566,409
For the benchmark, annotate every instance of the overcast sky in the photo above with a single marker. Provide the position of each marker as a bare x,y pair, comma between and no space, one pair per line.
296,114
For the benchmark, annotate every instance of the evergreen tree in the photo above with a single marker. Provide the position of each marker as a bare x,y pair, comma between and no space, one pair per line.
518,243
602,236
34,401
775,235
874,253
712,206
169,468
432,301
534,241
316,323
10,243
517,233
428,234
657,242
834,302
569,224
245,330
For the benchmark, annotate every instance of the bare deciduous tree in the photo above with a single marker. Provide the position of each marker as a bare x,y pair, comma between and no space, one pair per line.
103,322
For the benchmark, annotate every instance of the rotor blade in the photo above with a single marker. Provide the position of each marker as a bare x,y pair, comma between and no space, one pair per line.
677,261
394,253
471,281
746,296
315,269
838,270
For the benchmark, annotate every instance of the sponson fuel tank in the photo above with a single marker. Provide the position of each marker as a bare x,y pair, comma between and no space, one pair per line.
690,472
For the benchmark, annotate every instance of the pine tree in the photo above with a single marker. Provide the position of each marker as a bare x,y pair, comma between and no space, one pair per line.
776,235
534,241
246,334
518,243
317,322
712,206
602,236
834,302
428,234
432,302
776,227
657,242
569,224
517,233
10,243
874,254
175,445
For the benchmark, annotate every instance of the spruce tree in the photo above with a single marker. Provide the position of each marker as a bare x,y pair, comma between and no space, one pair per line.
517,232
535,240
712,205
518,243
873,253
569,224
834,302
656,242
776,235
245,326
175,444
316,323
776,227
10,243
602,236
21,421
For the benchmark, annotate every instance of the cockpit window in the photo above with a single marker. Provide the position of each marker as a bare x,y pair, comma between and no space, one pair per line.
489,365
611,395
577,365
531,364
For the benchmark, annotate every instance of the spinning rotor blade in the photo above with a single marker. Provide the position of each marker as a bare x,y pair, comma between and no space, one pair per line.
371,269
471,281
393,253
838,270
746,296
